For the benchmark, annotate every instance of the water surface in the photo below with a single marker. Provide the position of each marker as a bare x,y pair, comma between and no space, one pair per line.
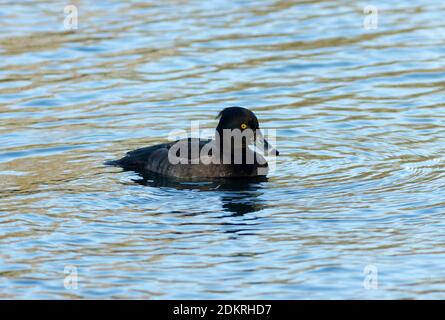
359,184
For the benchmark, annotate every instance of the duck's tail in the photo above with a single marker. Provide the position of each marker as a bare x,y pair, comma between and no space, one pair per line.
116,163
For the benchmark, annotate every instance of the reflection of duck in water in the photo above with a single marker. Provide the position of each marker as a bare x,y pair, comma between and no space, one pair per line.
228,156
238,196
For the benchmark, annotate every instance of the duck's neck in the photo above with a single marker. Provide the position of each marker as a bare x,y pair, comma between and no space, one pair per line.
230,152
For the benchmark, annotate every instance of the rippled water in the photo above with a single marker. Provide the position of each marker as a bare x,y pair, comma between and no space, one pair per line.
358,191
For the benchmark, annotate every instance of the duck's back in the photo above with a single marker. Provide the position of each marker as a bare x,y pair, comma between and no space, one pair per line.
192,165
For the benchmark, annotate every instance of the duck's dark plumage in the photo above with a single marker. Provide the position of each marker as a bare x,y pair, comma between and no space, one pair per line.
156,158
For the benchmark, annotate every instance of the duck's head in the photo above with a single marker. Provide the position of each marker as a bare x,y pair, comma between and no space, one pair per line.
243,119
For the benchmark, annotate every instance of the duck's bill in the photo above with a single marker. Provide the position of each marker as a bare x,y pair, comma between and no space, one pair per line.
267,148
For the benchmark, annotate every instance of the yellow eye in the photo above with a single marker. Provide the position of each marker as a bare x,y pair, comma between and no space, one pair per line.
243,126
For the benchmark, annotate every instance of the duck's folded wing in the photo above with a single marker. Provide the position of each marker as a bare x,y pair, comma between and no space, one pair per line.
138,159
156,158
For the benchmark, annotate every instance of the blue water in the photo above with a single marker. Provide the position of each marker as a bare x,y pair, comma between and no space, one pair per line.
358,186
